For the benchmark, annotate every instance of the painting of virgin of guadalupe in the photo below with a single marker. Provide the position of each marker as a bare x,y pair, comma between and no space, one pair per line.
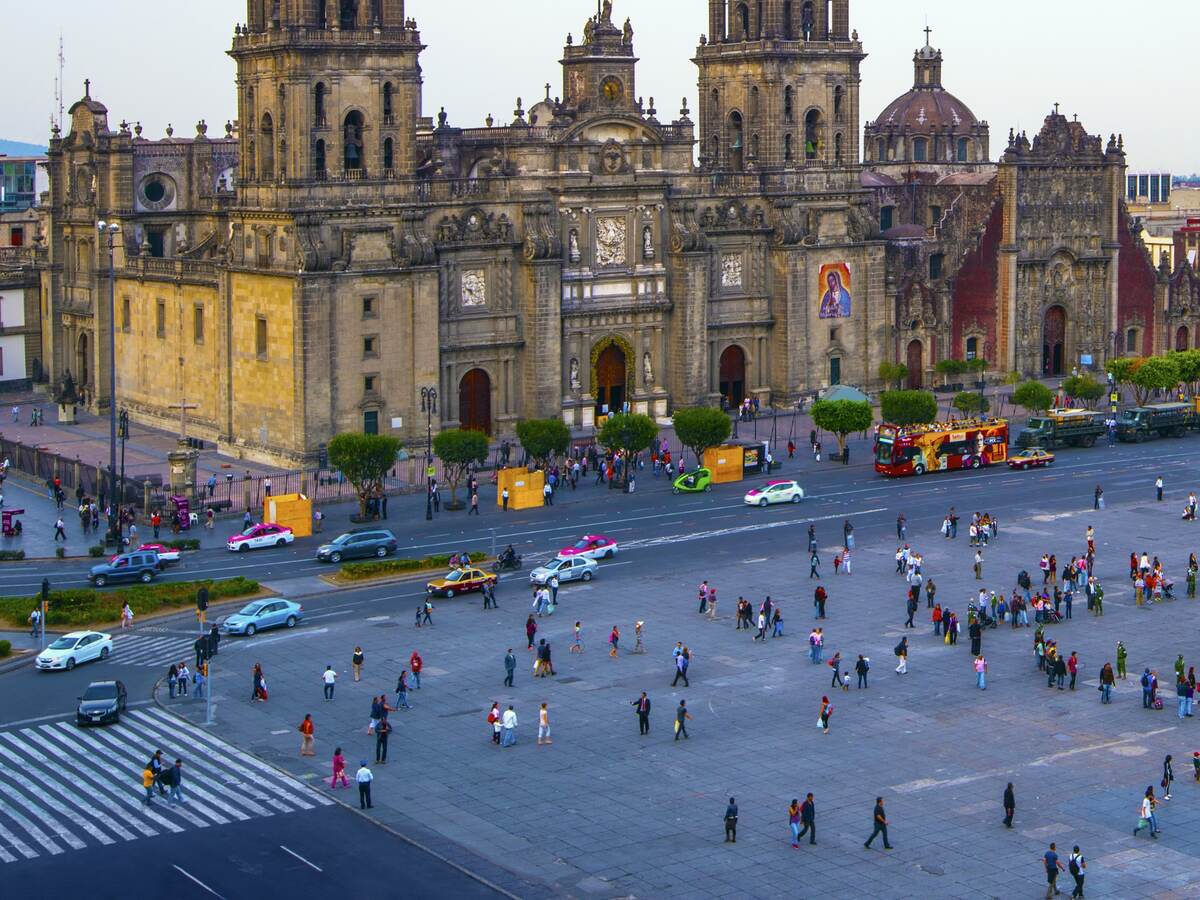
836,301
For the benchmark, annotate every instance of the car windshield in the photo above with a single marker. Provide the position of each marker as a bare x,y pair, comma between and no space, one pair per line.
556,565
249,531
342,540
250,609
456,575
100,692
63,643
582,544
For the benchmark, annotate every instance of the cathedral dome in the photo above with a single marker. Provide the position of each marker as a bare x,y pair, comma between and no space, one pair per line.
928,124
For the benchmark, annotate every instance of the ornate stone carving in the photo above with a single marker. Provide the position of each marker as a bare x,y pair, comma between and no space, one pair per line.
610,241
731,270
474,227
474,288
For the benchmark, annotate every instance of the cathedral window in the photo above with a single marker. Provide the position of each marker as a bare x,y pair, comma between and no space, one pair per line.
388,155
886,216
260,337
787,148
266,165
753,104
1131,340
368,384
972,348
126,314
963,150
387,104
935,216
939,151
920,150
348,14
807,19
789,25
837,149
736,145
368,308
319,169
371,421
812,134
881,150
370,347
839,96
352,130
198,324
789,101
319,106
742,17
322,14
160,318
936,262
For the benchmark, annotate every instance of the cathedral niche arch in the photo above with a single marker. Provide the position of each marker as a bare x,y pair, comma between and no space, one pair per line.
1054,340
612,362
353,126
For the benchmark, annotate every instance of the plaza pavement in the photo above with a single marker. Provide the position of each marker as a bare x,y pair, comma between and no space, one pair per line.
603,812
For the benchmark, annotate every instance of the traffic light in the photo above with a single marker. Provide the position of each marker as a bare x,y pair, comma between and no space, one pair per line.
202,599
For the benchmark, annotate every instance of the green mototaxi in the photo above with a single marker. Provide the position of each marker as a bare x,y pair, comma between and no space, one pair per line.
693,482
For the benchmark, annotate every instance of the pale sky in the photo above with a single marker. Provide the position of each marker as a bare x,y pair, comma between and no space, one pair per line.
1118,69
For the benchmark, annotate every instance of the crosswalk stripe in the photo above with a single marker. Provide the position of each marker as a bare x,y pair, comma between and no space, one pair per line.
132,760
118,777
274,780
36,810
5,856
36,773
100,787
32,830
138,651
17,844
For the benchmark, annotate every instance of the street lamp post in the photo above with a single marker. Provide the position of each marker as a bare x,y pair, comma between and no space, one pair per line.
108,232
429,407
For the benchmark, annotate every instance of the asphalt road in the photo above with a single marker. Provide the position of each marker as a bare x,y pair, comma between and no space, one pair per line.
325,853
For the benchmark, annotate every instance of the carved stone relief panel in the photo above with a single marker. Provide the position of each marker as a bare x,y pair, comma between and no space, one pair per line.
474,288
731,271
610,241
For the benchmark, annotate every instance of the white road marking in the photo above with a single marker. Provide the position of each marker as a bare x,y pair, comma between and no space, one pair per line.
188,874
299,857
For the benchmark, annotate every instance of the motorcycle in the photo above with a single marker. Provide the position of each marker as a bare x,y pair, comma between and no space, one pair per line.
505,564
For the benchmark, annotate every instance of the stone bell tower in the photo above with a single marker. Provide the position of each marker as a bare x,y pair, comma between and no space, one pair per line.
779,85
329,93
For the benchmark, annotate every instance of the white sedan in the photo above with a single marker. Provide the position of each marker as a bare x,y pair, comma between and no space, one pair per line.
74,648
580,568
774,492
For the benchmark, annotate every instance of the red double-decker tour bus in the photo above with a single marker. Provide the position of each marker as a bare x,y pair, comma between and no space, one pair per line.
940,446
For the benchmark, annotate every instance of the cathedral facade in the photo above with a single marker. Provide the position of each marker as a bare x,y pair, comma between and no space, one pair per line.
336,249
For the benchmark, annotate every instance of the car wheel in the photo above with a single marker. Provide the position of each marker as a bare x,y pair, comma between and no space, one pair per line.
335,557
243,547
70,663
708,488
104,653
291,622
250,629
610,554
796,498
450,593
99,581
975,463
763,502
919,469
674,490
381,552
281,542
146,577
586,576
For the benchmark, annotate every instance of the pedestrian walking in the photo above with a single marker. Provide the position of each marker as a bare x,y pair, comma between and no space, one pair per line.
428,611
60,529
363,778
543,734
1053,867
356,663
861,668
1122,654
835,663
402,690
382,732
509,723
306,730
148,783
901,528
731,820
259,682
794,822
880,824
415,664
814,565
681,719
1158,488
329,677
504,500
978,565
510,666
981,673
1168,777
825,715
1010,805
642,707
681,667
474,505
1078,869
338,765
494,717
808,818
174,777
901,652
1146,811
614,641
172,680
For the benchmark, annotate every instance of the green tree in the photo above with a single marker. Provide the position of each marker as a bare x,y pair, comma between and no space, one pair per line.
893,374
542,438
701,427
842,417
1122,368
1033,396
1013,377
977,367
364,459
629,432
1084,387
971,403
1154,373
948,368
1188,362
908,407
458,450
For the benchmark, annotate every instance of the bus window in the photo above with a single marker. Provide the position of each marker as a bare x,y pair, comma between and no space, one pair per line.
883,451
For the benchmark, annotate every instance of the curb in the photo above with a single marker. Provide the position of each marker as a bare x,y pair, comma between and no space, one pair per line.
474,876
19,660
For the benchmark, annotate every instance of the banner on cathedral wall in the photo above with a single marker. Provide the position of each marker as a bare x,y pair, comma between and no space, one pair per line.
835,291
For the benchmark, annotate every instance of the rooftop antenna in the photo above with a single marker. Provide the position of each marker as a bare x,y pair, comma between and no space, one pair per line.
58,81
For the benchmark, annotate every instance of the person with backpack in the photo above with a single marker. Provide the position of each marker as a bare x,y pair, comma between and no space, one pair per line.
1077,867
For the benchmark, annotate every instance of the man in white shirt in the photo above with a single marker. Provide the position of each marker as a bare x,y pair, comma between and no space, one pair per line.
363,777
330,678
509,722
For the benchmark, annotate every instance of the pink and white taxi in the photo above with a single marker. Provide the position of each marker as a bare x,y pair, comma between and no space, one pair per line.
264,534
590,546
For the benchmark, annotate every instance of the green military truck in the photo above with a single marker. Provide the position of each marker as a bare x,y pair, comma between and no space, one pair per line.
1142,423
1062,428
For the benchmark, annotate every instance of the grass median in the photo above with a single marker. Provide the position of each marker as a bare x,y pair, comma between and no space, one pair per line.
90,607
389,568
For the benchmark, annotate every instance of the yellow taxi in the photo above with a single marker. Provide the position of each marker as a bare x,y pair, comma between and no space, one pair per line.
1030,459
460,581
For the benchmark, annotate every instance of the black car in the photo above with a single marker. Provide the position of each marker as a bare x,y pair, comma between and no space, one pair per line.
356,544
141,565
102,702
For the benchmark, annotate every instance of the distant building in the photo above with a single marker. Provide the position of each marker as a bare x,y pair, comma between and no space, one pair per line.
1148,187
22,180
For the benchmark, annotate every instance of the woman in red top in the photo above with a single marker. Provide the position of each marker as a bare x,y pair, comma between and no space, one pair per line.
614,640
339,769
306,736
937,618
530,630
415,663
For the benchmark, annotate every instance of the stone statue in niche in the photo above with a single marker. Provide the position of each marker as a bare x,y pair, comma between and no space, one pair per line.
573,246
647,243
647,370
606,12
575,383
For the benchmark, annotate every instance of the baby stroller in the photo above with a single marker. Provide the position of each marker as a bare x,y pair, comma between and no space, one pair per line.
1167,586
